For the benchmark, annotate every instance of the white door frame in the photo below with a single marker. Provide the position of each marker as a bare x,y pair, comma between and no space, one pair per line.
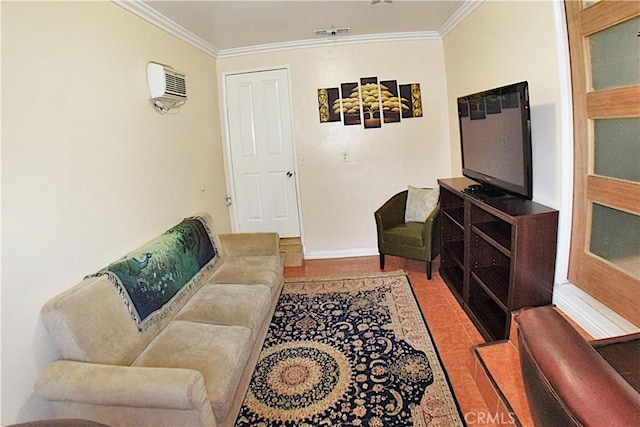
233,210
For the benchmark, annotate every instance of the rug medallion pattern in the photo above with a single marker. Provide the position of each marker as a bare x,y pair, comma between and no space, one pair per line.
349,352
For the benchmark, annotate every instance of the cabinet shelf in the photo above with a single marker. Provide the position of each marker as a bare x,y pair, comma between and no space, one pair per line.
495,281
498,234
497,255
492,317
456,215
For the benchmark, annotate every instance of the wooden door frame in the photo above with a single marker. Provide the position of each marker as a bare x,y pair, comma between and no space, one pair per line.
588,272
233,212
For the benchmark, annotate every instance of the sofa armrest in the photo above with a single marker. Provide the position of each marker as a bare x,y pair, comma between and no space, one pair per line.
250,244
566,380
111,385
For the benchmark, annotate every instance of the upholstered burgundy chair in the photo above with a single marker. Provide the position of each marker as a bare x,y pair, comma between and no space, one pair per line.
572,382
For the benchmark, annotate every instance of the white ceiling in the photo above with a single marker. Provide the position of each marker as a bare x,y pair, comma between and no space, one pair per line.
237,24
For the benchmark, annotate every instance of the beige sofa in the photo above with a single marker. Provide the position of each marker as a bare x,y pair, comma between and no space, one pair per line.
189,367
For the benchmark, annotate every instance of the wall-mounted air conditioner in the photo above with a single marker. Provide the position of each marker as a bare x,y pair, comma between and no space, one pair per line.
167,87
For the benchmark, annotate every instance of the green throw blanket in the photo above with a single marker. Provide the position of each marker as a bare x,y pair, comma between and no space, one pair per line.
154,277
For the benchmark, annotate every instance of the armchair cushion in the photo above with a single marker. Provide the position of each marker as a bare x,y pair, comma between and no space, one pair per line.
420,203
408,234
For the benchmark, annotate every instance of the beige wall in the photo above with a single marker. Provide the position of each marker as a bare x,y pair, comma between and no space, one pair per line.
338,198
504,42
89,169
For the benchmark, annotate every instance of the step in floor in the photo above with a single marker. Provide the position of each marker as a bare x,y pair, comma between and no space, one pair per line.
498,376
291,251
499,379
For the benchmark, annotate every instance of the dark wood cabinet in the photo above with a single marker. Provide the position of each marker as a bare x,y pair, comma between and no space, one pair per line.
498,254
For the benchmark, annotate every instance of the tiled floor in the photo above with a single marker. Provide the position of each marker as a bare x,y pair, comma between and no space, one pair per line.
450,327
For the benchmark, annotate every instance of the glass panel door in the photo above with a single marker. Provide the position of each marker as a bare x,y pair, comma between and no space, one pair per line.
617,148
615,56
605,70
615,237
615,62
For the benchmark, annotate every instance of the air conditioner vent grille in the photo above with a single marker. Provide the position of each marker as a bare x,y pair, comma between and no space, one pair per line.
176,85
167,87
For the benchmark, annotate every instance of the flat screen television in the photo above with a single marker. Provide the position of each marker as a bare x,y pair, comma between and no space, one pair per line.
495,138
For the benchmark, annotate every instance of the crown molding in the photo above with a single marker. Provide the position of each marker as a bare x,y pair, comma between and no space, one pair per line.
467,8
149,14
140,9
370,38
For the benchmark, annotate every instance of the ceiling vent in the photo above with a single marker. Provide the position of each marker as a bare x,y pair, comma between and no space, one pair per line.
332,32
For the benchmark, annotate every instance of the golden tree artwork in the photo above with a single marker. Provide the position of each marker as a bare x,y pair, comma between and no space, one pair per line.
370,102
350,104
392,104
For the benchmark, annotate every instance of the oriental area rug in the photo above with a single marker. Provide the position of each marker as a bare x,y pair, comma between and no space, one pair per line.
350,351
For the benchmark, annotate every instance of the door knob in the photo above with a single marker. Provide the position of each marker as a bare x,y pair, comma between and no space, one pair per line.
289,174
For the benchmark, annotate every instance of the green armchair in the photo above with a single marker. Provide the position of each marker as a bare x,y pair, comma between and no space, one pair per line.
414,240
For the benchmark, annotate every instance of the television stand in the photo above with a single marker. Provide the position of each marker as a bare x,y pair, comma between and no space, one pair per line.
497,255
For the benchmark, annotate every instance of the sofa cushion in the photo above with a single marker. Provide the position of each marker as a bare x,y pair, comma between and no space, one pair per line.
89,323
250,270
152,278
219,353
219,304
408,234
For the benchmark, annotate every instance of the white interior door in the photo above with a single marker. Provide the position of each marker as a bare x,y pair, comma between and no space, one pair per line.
261,147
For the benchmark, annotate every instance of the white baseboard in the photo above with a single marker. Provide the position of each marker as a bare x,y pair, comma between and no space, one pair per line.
593,316
341,253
